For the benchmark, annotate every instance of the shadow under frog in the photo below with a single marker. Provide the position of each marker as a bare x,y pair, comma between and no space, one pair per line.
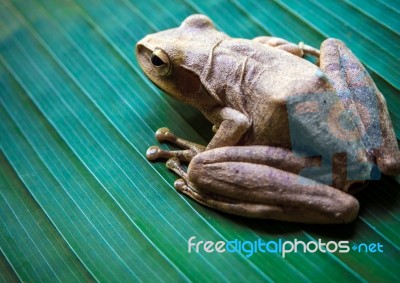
293,140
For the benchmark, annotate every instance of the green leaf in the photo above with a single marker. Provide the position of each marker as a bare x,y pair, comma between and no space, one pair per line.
78,199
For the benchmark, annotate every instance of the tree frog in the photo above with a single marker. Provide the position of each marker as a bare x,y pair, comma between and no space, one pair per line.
293,139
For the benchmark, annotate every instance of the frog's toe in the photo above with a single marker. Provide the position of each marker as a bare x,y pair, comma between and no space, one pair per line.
164,134
174,165
153,153
181,185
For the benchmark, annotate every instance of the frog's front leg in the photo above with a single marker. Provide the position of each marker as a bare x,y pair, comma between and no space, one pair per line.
296,49
230,125
262,182
165,135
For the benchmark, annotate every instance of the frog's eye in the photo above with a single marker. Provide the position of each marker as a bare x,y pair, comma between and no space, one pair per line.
160,60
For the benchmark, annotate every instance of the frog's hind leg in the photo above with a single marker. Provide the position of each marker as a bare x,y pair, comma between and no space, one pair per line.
296,49
362,98
238,180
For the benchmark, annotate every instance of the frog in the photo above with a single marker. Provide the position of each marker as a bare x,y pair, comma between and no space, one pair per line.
294,138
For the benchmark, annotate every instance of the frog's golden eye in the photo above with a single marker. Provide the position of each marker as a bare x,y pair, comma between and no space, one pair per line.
160,60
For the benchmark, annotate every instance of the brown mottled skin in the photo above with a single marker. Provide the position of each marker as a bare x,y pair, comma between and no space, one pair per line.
245,87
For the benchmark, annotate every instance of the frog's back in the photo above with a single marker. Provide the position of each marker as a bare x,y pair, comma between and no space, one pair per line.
259,80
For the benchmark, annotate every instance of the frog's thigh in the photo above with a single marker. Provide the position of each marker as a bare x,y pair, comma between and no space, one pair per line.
261,191
353,84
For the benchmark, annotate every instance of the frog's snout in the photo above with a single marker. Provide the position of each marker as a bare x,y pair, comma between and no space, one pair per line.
142,53
143,49
139,48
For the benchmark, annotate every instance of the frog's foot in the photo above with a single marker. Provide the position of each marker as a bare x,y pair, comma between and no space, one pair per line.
165,135
296,49
182,184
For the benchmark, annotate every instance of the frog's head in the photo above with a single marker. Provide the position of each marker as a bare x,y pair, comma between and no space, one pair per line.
174,59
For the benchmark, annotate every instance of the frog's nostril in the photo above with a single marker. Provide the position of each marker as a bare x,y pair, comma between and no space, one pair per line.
138,48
